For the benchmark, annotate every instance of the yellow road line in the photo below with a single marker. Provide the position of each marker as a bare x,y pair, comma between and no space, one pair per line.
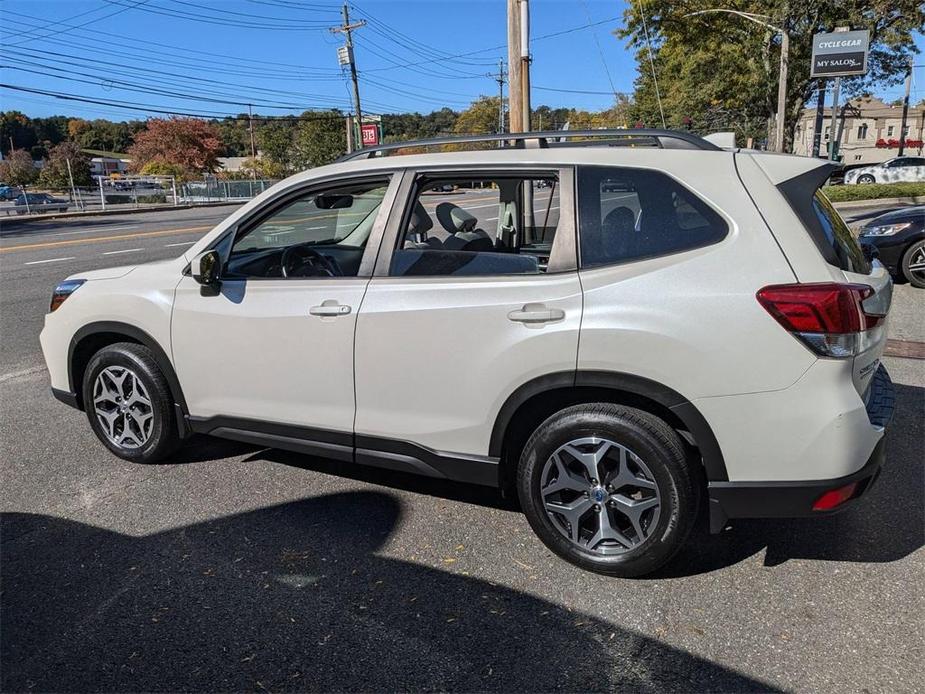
119,237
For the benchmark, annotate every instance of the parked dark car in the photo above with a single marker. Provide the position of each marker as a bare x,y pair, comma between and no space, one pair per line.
40,202
899,238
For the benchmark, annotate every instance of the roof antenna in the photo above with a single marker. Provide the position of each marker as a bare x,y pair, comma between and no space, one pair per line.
658,95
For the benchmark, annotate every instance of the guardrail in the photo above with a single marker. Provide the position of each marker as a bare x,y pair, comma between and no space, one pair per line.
130,195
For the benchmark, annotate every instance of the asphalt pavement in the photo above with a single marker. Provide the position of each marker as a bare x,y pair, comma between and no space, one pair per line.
238,568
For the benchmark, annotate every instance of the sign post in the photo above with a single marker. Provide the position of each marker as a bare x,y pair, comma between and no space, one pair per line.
841,53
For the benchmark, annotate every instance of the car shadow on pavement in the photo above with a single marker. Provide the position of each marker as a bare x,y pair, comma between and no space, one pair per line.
296,597
886,525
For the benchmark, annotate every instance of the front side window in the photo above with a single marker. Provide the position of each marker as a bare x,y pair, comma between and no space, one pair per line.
628,214
322,233
480,225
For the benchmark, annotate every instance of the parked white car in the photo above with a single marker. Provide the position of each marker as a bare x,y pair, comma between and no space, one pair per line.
897,170
654,330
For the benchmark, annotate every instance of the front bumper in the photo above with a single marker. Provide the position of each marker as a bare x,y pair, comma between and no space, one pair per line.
795,499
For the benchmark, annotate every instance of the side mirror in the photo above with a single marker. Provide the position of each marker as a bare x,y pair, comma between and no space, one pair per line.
206,268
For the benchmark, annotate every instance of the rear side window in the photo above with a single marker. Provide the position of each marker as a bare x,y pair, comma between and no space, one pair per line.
838,236
629,214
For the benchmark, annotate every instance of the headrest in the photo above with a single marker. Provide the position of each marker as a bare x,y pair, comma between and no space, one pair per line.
420,221
454,218
620,219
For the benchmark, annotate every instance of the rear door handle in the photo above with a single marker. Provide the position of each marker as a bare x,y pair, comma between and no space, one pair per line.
536,313
330,307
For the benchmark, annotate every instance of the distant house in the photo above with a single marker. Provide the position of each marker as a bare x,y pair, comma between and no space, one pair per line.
232,163
107,163
870,134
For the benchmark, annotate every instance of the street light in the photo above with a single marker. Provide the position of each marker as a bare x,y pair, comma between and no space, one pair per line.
784,57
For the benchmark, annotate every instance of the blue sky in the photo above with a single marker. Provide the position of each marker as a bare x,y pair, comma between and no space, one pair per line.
213,58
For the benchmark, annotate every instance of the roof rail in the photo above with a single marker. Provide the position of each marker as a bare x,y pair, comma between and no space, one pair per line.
611,137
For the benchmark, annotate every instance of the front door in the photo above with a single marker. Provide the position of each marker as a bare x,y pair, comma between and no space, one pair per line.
274,343
473,296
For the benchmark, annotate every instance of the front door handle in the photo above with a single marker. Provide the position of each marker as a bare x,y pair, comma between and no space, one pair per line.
536,313
330,307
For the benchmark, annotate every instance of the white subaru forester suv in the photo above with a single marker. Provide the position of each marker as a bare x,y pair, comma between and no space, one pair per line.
621,334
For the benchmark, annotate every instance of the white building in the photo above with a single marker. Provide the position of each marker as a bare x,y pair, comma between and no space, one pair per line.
870,134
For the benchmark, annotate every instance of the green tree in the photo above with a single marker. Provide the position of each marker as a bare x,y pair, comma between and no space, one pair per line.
320,139
17,168
275,142
719,71
54,174
480,117
18,126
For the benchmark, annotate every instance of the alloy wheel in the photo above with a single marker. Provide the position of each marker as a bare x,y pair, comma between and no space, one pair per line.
123,407
600,495
917,263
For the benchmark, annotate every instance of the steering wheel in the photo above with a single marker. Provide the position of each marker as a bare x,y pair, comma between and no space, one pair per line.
301,257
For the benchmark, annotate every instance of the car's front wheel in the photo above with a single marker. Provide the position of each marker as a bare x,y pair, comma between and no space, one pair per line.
866,178
913,265
128,403
608,488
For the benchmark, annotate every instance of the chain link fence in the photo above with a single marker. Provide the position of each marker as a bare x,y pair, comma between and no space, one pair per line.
129,193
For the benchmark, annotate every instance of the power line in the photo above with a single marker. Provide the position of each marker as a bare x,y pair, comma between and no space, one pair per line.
64,96
71,27
180,14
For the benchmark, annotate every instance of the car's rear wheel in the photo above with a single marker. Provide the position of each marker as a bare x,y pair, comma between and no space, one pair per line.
608,488
866,178
913,264
129,404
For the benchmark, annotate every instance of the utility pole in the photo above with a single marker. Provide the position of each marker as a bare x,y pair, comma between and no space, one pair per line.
820,117
836,92
525,61
500,78
902,126
515,90
346,30
779,138
250,125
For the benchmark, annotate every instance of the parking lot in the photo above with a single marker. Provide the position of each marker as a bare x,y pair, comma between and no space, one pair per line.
242,568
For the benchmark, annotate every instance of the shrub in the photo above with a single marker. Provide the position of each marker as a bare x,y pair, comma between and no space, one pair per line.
874,191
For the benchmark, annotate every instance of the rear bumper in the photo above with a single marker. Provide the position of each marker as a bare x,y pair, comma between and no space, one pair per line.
780,499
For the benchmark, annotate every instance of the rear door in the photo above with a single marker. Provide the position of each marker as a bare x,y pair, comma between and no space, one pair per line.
469,301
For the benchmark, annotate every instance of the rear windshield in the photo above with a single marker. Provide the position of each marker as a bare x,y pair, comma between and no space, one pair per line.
838,236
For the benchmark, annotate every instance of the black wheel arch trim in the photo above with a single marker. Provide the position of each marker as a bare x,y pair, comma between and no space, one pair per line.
141,337
686,412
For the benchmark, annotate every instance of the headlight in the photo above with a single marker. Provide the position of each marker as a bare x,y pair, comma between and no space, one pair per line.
885,229
62,292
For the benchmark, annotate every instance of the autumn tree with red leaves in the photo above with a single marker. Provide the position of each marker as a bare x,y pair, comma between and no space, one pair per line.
191,144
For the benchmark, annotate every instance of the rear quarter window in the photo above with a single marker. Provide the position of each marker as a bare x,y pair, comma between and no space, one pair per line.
631,214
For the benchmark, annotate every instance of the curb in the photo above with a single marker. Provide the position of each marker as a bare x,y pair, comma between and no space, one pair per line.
912,200
109,213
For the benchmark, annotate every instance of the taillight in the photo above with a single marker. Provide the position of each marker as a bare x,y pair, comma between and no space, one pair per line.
828,317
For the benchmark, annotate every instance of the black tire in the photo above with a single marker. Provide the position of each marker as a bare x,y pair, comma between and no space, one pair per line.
653,442
866,178
916,280
162,436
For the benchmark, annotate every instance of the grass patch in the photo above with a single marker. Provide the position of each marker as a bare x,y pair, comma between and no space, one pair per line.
873,191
